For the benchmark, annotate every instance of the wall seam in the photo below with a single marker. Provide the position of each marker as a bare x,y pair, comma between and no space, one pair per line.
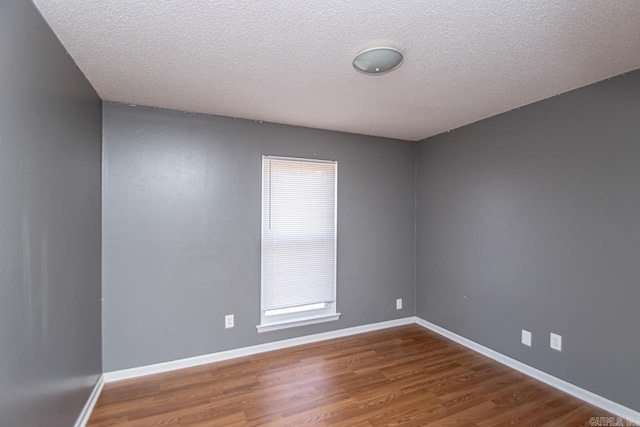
102,184
415,229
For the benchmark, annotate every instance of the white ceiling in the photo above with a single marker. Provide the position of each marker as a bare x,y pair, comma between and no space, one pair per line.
289,61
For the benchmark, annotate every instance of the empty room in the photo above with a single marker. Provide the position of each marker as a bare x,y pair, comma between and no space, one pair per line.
319,213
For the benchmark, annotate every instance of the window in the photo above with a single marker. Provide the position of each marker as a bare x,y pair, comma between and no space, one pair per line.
298,242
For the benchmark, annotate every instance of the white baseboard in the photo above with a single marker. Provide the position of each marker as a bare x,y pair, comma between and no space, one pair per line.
85,414
592,398
247,351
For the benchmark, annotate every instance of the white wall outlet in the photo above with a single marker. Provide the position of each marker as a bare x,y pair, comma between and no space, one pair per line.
228,321
555,341
526,338
399,304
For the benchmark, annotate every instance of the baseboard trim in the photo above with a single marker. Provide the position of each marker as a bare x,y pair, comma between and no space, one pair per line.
592,398
157,368
87,409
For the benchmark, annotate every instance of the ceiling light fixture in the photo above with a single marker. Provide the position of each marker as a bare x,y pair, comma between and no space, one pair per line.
379,60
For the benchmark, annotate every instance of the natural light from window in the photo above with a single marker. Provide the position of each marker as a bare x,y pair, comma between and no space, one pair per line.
298,242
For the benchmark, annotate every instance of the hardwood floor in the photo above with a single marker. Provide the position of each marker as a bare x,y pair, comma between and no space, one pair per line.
405,376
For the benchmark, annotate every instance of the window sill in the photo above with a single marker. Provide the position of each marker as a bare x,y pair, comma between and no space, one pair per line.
298,322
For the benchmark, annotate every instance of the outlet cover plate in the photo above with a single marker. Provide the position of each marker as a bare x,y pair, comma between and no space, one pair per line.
228,321
555,341
526,338
399,304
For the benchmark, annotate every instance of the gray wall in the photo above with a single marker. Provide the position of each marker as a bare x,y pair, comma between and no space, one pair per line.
531,220
50,144
182,230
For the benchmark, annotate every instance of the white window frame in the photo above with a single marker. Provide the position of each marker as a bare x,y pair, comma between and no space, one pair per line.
307,317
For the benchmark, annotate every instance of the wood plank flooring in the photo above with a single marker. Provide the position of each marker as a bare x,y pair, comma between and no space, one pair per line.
404,376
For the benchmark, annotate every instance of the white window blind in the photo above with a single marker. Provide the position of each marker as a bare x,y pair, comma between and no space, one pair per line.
298,235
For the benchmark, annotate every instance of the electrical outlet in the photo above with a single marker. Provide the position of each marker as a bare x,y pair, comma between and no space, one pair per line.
526,338
228,321
399,304
555,341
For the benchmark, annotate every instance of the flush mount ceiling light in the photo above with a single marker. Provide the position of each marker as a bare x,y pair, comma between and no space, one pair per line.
379,60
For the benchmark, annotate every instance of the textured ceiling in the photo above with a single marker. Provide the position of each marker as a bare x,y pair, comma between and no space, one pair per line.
289,61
